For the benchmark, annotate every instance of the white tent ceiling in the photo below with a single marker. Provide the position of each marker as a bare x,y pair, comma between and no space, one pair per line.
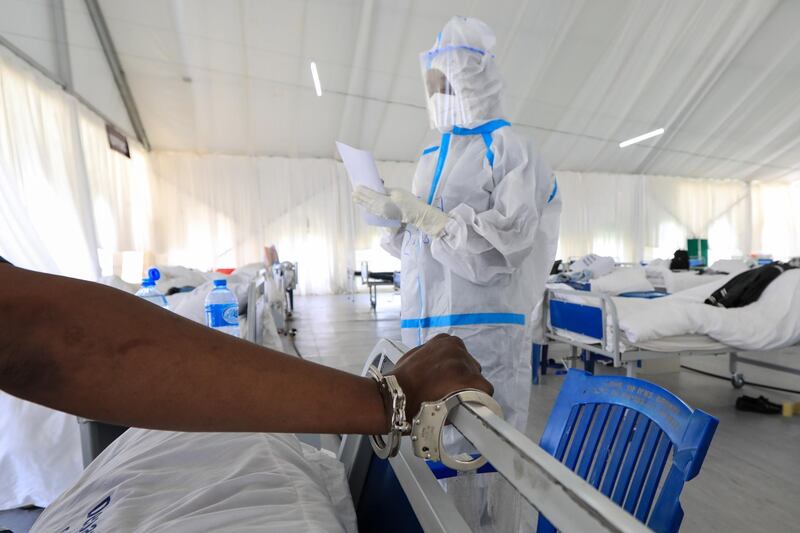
722,76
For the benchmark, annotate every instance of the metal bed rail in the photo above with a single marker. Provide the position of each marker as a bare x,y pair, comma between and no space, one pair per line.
568,501
256,292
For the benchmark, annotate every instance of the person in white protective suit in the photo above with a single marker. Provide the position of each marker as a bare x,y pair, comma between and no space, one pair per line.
480,226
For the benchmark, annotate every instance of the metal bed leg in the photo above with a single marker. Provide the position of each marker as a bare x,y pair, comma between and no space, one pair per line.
545,362
373,296
630,369
588,361
737,378
573,356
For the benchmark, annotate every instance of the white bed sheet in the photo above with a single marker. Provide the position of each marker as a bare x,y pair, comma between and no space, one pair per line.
153,481
40,453
672,282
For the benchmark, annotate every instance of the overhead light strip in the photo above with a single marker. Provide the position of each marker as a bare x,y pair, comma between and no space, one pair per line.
315,75
640,138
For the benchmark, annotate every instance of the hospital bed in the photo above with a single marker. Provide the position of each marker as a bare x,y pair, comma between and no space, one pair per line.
401,494
589,323
373,280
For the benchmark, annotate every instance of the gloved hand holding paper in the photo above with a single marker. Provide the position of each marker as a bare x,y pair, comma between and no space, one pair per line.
363,171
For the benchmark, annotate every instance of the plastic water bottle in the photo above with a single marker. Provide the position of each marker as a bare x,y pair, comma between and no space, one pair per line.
222,309
148,290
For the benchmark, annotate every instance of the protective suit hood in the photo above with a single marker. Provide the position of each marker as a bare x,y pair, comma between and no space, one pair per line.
462,83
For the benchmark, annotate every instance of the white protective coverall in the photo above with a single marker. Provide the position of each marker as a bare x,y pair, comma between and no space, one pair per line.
482,277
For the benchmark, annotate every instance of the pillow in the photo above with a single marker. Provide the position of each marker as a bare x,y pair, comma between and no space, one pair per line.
627,279
596,264
730,266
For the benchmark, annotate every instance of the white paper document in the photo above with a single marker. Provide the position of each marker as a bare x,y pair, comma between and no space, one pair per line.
362,170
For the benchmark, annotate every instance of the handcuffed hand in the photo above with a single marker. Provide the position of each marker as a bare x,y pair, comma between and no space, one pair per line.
436,369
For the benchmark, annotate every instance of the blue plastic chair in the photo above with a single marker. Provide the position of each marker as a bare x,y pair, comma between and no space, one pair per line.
617,433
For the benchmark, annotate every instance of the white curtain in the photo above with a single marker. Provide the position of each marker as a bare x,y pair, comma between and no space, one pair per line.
64,194
679,208
600,214
220,211
46,203
632,217
776,219
121,192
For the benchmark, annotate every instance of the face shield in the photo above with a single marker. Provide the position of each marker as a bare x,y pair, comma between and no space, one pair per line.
442,70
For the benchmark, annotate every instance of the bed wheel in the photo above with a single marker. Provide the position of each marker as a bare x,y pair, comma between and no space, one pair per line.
737,380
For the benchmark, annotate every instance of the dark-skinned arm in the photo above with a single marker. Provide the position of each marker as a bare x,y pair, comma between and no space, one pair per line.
103,354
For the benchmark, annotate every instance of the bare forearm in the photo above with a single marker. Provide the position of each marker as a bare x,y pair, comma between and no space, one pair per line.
120,359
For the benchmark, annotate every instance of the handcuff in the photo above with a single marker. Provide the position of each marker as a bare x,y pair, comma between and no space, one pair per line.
427,428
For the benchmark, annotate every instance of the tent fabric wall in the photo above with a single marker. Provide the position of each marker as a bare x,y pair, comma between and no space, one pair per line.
220,211
776,221
675,209
632,217
65,195
44,188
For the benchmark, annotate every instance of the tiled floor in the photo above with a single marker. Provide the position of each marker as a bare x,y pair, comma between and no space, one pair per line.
750,480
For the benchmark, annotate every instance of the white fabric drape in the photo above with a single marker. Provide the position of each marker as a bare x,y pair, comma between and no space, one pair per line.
776,220
600,214
43,200
56,175
220,211
121,195
678,208
632,217
44,191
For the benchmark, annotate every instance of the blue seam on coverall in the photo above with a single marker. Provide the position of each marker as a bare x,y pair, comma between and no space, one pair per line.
555,191
466,319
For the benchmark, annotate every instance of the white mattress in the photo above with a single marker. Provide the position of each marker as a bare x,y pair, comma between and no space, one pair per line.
158,481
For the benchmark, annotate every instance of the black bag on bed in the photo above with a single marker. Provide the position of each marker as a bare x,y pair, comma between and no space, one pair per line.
680,261
747,287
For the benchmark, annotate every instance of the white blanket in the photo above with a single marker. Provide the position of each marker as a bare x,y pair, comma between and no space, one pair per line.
40,453
673,282
151,481
625,279
769,323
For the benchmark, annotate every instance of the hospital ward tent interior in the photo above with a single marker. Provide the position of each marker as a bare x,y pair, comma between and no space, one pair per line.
600,198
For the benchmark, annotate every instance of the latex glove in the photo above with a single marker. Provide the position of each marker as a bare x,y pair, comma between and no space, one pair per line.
427,219
376,203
